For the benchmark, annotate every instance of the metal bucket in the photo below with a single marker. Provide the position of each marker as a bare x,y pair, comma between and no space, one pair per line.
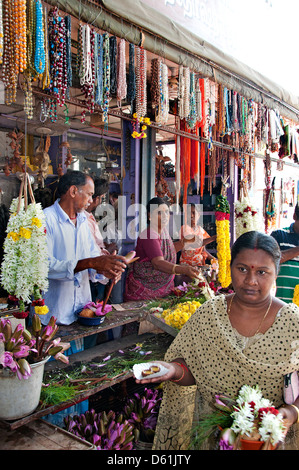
19,398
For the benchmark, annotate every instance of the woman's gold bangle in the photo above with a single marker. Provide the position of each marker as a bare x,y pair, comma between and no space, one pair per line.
294,406
173,269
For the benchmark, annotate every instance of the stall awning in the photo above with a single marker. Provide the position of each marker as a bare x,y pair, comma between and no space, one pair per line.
167,39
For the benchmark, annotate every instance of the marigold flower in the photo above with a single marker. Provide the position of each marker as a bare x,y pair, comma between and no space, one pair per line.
25,233
36,221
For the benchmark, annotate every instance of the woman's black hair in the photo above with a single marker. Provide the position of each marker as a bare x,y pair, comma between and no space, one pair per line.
257,241
101,187
71,178
155,202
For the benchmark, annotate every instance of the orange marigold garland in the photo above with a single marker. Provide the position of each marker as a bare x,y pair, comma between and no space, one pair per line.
223,240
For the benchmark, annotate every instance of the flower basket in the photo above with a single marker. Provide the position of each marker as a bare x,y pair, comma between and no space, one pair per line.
247,422
22,359
19,398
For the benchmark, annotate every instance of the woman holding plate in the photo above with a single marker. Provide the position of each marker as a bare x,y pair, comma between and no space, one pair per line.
245,338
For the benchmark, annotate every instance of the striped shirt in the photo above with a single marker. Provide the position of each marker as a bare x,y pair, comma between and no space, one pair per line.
288,276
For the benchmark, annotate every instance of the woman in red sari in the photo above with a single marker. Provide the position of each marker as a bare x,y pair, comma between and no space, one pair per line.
152,276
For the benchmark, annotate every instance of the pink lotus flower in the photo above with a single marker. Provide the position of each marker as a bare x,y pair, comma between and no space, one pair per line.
7,360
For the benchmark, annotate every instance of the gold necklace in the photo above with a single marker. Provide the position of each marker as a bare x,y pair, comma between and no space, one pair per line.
267,311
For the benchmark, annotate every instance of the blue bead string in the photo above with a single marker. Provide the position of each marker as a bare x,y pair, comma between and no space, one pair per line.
39,56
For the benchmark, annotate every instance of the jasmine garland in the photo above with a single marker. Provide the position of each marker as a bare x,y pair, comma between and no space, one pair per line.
25,263
246,217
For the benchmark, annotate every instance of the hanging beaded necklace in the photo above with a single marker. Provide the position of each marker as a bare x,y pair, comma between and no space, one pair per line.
46,74
113,76
192,117
9,71
20,34
162,117
131,89
1,32
184,92
106,78
57,88
121,72
98,67
39,52
141,99
68,55
155,80
57,47
87,79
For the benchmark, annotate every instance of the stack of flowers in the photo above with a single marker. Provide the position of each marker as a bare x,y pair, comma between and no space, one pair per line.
21,348
223,240
107,431
248,420
178,316
24,271
186,299
141,411
246,217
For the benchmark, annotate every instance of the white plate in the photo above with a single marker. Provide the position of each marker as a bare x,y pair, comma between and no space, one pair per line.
138,368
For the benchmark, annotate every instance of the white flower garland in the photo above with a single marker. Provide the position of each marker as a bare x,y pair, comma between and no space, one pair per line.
246,217
24,271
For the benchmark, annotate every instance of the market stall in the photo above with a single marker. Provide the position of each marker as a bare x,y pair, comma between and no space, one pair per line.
88,88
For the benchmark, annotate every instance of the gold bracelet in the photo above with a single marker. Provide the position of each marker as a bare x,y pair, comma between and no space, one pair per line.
294,406
173,269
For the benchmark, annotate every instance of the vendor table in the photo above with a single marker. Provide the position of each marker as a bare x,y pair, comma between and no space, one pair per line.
122,314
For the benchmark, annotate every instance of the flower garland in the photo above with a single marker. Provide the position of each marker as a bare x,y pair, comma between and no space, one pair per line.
246,217
223,240
296,295
145,121
25,263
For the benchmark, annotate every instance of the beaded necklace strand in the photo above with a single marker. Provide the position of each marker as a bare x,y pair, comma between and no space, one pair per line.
9,71
39,52
69,72
113,75
131,88
121,72
106,78
141,99
98,66
1,32
46,74
192,117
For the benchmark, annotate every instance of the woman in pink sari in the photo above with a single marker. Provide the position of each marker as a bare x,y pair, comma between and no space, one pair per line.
152,276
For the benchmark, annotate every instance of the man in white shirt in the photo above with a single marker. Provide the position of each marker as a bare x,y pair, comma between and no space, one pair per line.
73,254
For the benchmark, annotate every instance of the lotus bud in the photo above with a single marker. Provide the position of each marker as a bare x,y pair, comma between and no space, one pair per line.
27,336
224,403
55,350
36,324
61,357
7,330
227,439
25,368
